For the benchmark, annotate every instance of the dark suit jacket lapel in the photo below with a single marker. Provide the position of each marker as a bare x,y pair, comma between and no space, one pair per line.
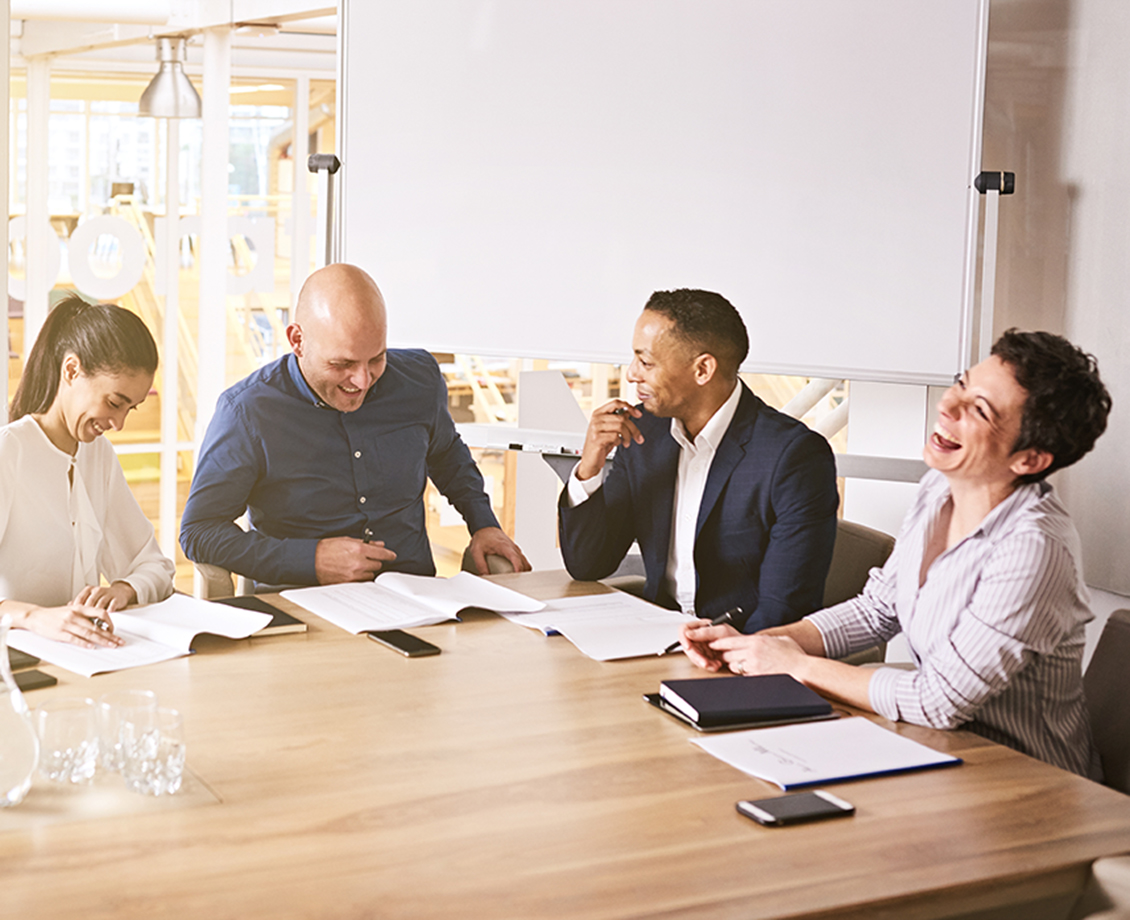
729,454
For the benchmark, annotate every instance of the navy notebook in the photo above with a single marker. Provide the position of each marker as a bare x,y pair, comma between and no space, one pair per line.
716,701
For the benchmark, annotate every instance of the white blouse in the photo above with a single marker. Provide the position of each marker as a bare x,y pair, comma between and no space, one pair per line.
57,537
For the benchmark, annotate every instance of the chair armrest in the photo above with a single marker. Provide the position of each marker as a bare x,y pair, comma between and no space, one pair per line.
498,565
210,581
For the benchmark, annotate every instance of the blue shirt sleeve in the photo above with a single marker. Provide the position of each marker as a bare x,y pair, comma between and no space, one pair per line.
452,468
231,462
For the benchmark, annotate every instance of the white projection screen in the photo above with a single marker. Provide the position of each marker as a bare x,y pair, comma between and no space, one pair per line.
520,175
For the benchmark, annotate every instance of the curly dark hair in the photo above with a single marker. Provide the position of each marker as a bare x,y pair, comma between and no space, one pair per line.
706,322
1067,404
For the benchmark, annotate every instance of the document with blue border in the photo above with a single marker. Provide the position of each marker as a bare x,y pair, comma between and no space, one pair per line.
813,753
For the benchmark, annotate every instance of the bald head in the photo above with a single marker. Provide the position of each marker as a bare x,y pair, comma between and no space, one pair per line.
339,293
339,334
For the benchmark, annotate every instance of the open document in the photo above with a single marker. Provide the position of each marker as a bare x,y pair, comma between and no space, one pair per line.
156,632
809,754
398,601
607,626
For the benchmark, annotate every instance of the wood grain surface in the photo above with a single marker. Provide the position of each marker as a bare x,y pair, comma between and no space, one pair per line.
512,777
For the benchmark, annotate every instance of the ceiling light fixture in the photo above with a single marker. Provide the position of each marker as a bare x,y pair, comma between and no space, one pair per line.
170,94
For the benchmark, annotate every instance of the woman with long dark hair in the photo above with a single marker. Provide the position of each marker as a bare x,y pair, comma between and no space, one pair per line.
67,517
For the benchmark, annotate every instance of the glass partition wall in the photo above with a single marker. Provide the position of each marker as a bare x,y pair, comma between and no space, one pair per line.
106,201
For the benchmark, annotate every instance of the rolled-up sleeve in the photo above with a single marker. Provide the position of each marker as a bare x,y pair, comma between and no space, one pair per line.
1012,615
863,621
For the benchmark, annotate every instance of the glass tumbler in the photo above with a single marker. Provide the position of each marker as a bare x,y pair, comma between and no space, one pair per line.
114,709
68,739
153,751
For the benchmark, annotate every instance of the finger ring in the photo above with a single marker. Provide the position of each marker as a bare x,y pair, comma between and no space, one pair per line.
100,624
738,667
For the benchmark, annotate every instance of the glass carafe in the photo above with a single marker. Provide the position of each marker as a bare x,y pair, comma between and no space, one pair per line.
19,746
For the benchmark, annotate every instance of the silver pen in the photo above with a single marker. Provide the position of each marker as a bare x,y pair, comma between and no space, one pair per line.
725,618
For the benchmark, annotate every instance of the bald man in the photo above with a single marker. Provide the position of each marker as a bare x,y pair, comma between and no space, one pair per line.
328,450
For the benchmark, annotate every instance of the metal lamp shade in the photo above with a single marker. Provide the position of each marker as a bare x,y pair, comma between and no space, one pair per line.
170,94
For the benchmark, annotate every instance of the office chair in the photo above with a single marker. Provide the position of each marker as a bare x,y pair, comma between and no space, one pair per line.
498,565
1108,703
858,550
1107,894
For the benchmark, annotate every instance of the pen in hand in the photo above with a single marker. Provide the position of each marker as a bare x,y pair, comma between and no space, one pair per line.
726,618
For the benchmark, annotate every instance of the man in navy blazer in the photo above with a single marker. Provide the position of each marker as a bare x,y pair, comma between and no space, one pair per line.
733,503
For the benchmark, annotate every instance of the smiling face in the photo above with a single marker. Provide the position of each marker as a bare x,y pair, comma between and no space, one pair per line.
978,425
341,363
662,369
340,335
88,405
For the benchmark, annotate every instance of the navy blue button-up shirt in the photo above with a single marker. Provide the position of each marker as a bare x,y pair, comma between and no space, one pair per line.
305,471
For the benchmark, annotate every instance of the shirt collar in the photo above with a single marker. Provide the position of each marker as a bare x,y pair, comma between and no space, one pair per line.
301,385
1000,516
715,429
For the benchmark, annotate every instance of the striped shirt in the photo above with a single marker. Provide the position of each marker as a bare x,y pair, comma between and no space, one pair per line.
996,630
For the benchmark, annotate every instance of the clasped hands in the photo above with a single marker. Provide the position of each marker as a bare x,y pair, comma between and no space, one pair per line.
716,647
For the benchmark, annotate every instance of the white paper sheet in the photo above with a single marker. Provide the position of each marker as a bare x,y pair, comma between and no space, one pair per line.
607,626
811,753
157,632
400,601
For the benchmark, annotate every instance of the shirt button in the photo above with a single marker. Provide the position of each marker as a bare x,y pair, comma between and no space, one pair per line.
362,499
357,454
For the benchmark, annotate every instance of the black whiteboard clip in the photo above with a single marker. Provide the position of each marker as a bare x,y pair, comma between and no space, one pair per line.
1003,182
325,165
326,161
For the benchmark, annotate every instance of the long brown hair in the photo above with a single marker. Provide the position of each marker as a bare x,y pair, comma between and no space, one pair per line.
105,338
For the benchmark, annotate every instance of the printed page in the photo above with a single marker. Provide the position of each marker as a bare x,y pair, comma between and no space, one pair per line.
607,626
177,620
136,652
460,591
156,632
359,606
807,754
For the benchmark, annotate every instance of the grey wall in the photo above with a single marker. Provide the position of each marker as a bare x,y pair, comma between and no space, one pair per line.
1058,114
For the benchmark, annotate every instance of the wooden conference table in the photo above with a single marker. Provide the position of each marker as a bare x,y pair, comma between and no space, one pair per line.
512,777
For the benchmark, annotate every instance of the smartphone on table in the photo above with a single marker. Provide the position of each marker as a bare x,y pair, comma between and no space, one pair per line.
405,643
796,808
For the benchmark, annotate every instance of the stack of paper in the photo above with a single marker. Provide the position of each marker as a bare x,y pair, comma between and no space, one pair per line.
400,601
607,626
153,633
812,753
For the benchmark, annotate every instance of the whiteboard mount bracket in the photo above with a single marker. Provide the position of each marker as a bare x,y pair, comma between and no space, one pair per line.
992,185
325,165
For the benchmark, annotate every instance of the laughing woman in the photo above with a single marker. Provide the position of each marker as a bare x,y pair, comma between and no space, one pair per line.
985,580
67,517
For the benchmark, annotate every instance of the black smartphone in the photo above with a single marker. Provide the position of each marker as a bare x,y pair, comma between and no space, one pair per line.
796,808
403,642
33,680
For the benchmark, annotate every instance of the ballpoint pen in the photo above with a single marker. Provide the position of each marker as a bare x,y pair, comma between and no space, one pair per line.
727,617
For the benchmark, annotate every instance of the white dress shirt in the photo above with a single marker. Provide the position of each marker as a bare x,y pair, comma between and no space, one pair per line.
695,458
996,629
57,537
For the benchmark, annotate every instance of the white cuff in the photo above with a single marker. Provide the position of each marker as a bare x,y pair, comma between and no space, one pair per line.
579,490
